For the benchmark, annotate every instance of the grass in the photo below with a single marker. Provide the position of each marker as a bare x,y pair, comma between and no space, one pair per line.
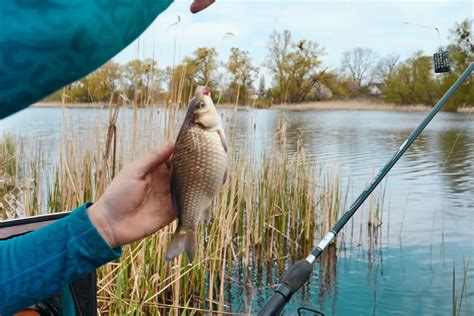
459,297
271,211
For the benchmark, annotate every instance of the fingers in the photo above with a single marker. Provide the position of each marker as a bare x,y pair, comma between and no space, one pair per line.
155,158
169,162
199,5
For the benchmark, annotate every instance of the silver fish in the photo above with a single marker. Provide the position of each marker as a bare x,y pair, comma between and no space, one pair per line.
198,170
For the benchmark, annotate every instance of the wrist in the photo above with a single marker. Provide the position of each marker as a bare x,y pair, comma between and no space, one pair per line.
99,219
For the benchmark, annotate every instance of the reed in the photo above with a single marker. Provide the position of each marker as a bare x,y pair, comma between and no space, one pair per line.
270,212
457,298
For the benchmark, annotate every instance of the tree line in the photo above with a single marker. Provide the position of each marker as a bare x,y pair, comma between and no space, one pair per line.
297,75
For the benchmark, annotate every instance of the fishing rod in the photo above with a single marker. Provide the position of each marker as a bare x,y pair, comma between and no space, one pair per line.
300,272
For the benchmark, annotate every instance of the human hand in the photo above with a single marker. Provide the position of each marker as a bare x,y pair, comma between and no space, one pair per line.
199,5
137,202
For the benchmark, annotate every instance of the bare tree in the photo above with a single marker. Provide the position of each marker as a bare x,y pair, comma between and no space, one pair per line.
279,46
385,67
358,63
292,64
302,62
241,71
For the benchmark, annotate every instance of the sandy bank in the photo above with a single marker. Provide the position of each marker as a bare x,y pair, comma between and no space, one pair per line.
337,105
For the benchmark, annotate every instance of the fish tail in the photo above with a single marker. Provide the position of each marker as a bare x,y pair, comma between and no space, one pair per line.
182,240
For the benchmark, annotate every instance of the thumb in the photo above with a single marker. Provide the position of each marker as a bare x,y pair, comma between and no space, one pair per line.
154,159
199,5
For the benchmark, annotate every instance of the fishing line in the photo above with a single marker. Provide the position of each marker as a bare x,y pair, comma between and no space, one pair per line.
426,26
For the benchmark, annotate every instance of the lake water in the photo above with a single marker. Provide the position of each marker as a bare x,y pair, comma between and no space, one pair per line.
428,214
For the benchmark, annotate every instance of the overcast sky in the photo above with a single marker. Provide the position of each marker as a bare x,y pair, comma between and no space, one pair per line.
335,25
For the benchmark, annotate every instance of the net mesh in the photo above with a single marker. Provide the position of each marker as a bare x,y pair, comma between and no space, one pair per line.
441,61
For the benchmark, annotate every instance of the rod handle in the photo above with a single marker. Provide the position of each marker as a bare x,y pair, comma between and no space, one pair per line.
275,305
294,279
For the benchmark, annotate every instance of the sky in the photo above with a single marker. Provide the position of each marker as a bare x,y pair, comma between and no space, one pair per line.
335,25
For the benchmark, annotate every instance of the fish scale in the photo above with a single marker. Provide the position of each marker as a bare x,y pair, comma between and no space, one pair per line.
198,170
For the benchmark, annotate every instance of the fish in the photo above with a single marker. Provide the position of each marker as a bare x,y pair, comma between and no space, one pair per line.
198,170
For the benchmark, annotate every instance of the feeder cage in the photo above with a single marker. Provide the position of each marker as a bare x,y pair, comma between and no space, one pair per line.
441,61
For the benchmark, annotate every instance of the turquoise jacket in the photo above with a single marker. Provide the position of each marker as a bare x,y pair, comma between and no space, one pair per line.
45,45
40,264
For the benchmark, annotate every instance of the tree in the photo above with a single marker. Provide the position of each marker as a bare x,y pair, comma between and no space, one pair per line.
461,47
461,53
277,59
385,67
199,69
412,82
302,64
95,87
113,76
293,65
142,80
242,73
203,64
357,63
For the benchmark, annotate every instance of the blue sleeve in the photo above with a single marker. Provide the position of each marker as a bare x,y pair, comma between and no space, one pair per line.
45,45
39,264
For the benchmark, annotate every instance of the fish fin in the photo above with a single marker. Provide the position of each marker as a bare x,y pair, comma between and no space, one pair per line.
223,140
225,176
182,240
206,215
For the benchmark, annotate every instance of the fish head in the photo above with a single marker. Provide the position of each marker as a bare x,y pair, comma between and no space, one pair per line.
202,111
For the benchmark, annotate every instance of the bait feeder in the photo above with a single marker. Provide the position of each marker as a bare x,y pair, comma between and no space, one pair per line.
440,58
441,61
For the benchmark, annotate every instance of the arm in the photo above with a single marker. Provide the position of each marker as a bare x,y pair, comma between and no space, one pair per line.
39,264
46,45
136,204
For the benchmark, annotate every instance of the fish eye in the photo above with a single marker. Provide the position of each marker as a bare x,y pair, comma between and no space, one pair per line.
200,105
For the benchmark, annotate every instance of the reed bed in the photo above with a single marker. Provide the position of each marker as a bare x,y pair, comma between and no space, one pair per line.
271,211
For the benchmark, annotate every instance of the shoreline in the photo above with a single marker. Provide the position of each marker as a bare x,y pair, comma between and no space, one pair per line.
336,105
92,105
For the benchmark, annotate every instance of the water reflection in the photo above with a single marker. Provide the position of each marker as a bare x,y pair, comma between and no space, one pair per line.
456,163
